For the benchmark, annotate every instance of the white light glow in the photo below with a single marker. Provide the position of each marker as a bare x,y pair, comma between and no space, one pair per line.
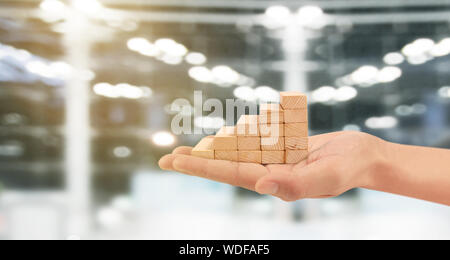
403,110
278,12
365,74
245,93
394,58
129,91
88,6
52,6
196,58
345,93
201,74
324,94
441,49
418,47
171,47
150,50
109,217
209,122
122,90
444,92
172,60
418,59
384,122
41,69
267,94
122,152
138,44
310,15
389,74
225,74
163,138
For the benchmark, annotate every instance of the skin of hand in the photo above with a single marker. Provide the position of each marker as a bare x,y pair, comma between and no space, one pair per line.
337,163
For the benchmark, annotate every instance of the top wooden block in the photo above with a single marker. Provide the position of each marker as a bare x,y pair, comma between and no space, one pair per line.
204,149
293,100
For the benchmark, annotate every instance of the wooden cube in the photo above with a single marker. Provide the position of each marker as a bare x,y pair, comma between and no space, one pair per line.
296,156
271,114
296,130
247,125
204,149
273,157
249,143
271,130
250,156
272,143
225,140
296,143
293,100
296,116
226,155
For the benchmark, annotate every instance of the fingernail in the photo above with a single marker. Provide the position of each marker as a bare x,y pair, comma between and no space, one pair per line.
269,188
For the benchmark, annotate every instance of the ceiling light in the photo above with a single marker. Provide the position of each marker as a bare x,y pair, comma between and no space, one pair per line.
163,138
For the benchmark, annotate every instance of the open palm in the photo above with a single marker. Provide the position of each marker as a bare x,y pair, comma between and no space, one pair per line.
337,162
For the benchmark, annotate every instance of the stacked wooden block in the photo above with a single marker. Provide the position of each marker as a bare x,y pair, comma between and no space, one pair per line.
278,135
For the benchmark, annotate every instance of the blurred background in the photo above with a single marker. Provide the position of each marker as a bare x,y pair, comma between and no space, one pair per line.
88,89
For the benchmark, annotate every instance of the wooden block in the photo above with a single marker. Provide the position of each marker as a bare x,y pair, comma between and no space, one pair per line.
249,143
226,155
204,149
273,157
250,156
271,130
272,143
293,100
296,129
270,114
225,139
248,126
296,143
296,116
296,156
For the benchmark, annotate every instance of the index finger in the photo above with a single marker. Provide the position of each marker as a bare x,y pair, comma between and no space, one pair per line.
244,175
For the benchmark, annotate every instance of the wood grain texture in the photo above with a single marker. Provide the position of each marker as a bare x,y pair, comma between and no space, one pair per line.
225,143
296,116
248,126
249,143
204,149
226,155
272,143
296,130
296,156
293,100
250,156
272,130
296,143
273,157
271,113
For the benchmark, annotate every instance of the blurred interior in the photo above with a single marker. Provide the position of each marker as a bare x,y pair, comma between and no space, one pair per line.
87,90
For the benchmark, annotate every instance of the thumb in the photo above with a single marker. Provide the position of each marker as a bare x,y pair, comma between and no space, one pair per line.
293,185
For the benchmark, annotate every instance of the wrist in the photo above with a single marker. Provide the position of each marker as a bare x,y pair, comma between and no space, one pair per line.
379,164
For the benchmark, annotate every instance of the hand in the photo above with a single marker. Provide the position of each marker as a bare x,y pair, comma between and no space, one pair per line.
337,163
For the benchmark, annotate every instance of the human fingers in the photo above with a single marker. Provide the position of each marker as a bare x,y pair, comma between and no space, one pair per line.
244,175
